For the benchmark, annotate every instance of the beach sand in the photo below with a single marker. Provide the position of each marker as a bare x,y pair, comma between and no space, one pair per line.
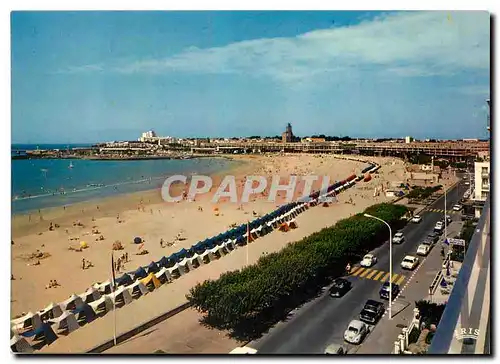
155,219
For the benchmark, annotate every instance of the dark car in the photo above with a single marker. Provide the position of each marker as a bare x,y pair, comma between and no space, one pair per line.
384,291
340,287
434,237
372,312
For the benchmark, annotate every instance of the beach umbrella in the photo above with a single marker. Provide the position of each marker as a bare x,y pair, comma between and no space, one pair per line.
83,245
137,240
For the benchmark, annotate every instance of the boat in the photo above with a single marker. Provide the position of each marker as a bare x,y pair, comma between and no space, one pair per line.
70,165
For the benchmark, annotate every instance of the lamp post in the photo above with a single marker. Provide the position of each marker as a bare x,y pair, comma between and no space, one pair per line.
390,261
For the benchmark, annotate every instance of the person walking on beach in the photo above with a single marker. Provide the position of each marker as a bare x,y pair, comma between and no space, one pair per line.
83,263
161,242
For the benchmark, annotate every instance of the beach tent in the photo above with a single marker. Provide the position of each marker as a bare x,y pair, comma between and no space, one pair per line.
53,310
196,260
91,295
152,268
186,265
151,282
30,321
284,227
137,240
138,274
44,332
72,302
120,296
175,271
199,247
66,323
137,289
103,288
163,275
163,262
123,280
84,314
102,305
292,224
83,245
19,344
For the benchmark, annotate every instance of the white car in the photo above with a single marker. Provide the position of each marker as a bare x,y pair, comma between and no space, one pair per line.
457,207
409,262
398,238
416,219
368,260
467,183
356,332
439,226
423,249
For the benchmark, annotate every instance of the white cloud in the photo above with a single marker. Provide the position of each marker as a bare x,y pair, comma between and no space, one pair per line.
81,69
404,44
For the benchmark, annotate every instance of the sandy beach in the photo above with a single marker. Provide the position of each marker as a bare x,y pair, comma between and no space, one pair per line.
155,219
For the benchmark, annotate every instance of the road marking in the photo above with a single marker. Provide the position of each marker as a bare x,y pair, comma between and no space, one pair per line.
360,270
378,276
354,270
394,276
400,280
368,270
373,272
385,277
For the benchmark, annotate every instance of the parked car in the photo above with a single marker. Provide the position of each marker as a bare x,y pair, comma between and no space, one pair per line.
423,249
398,238
372,311
356,331
434,237
409,262
340,287
457,207
368,260
438,228
384,291
335,349
416,219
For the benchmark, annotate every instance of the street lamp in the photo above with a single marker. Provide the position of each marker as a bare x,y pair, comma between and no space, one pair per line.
390,261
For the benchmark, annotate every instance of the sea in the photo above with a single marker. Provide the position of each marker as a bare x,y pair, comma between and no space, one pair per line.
42,183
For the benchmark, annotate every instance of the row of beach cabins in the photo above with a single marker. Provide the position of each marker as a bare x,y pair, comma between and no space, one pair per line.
34,330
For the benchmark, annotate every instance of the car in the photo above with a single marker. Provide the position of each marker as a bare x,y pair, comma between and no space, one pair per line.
372,311
457,207
340,287
398,238
384,291
356,331
409,262
467,183
448,219
335,349
438,228
416,219
423,249
433,237
368,260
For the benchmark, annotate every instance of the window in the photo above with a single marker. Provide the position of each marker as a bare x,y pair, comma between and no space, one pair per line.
484,170
484,195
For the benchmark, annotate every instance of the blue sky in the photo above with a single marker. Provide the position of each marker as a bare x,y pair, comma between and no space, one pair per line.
99,76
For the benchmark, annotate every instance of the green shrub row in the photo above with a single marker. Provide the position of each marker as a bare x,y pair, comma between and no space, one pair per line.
251,299
423,193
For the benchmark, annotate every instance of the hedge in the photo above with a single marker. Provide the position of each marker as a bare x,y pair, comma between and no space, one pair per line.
249,300
423,193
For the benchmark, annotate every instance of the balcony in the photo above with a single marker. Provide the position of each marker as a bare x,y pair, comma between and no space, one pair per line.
465,325
485,174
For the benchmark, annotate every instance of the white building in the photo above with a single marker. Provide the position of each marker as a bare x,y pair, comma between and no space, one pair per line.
408,139
147,136
481,180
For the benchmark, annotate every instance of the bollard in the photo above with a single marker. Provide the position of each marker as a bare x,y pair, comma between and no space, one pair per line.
401,339
406,335
396,347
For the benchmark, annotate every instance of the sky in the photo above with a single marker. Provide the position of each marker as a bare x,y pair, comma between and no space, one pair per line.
84,77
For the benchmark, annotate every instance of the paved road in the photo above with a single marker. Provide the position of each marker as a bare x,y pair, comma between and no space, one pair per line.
323,320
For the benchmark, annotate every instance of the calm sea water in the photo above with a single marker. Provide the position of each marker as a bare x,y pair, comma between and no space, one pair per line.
40,183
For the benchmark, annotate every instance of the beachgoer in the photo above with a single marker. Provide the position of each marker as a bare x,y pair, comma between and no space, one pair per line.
83,263
126,257
161,242
12,277
348,268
